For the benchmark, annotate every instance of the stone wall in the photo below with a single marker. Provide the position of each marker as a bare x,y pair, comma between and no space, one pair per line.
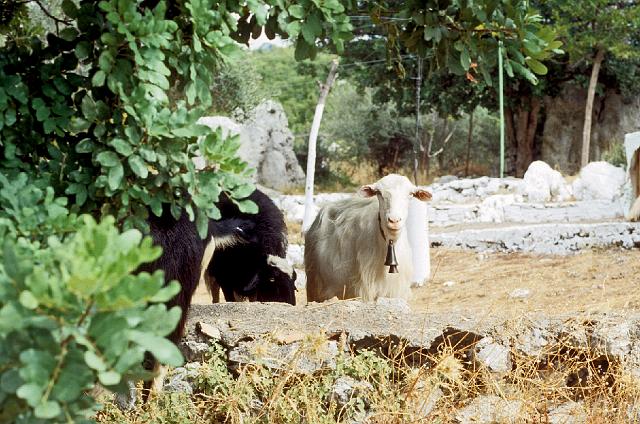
278,336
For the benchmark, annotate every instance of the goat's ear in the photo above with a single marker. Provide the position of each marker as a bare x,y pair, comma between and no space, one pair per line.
368,191
421,194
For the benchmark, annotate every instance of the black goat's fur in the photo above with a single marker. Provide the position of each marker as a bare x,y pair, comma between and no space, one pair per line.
242,270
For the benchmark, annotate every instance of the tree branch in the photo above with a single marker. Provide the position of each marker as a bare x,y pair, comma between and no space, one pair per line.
46,12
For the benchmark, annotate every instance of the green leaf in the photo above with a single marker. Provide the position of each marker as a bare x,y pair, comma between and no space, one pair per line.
121,146
10,380
10,117
296,11
69,8
86,145
88,107
115,176
109,378
524,72
243,191
108,158
98,78
246,206
166,293
138,166
304,50
465,60
536,66
293,28
69,34
191,93
31,392
28,300
164,350
47,410
531,47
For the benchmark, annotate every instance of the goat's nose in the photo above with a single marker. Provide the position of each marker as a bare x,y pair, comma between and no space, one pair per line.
394,219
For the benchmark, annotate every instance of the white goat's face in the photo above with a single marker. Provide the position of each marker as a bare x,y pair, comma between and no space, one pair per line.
394,192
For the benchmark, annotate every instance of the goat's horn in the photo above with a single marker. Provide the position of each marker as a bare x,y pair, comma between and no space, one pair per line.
391,260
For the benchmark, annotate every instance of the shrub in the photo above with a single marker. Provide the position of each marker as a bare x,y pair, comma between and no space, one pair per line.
71,313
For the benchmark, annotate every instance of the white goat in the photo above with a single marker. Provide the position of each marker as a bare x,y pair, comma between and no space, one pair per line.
346,246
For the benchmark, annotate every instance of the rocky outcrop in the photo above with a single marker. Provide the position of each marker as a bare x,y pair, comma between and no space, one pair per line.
266,144
614,116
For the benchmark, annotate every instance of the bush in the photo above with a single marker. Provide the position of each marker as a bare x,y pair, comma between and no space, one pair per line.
72,314
615,155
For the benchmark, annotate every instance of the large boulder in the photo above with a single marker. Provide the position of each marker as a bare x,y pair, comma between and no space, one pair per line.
599,180
543,184
266,144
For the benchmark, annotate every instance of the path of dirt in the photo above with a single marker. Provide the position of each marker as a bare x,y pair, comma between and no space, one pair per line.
468,283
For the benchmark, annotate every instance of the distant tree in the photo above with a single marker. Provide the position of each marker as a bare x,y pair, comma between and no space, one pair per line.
293,83
594,32
237,85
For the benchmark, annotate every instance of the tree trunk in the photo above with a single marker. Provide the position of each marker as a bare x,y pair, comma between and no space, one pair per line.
521,125
469,137
526,135
512,142
313,136
588,110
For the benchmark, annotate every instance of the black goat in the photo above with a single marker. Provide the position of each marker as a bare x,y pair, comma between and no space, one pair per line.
244,254
253,267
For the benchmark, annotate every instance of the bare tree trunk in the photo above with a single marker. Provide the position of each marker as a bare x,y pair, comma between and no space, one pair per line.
469,137
512,146
313,136
427,152
588,110
526,133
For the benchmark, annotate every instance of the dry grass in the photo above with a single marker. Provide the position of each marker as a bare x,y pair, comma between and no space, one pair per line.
392,389
295,232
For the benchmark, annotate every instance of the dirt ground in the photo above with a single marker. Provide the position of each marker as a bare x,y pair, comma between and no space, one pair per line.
471,283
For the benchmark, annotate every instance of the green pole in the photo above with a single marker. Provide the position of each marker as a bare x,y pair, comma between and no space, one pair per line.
501,94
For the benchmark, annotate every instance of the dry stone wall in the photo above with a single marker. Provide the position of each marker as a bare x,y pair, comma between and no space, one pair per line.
277,336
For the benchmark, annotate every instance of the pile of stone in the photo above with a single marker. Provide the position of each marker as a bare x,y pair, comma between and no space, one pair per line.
543,195
274,335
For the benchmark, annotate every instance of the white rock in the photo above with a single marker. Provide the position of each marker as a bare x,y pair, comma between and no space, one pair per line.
345,388
568,413
490,409
492,208
446,179
449,283
543,184
520,293
493,355
599,180
266,144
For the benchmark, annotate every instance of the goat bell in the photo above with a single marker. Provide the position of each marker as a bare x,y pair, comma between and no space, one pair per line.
391,260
